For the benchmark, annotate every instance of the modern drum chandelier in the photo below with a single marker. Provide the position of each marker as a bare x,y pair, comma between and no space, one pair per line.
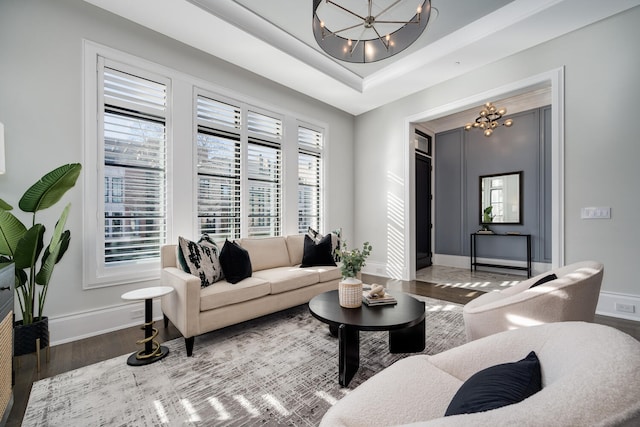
363,31
488,120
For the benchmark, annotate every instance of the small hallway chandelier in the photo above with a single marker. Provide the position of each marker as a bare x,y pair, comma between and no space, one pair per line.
366,31
488,120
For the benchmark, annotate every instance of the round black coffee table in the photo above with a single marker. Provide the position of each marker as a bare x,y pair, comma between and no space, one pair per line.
404,321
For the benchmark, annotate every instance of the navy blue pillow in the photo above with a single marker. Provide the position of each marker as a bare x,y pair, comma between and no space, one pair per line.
235,262
498,386
317,254
544,279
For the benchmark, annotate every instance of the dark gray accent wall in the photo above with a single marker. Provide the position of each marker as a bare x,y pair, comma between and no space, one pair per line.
461,157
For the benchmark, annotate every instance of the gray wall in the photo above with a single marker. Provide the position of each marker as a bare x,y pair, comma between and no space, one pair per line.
41,107
462,157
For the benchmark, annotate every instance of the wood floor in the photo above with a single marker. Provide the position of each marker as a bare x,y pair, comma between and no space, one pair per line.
66,357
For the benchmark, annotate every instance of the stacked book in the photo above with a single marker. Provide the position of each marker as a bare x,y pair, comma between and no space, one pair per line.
387,299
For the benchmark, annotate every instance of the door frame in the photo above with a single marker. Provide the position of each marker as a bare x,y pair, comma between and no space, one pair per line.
553,79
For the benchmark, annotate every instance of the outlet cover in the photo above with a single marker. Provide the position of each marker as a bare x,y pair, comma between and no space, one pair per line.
625,308
597,212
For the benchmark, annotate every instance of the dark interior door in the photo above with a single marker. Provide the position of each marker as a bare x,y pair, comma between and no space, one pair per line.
423,210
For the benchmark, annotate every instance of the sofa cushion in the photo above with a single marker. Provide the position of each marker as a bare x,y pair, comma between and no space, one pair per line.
235,262
224,293
200,259
268,252
285,279
326,273
317,253
498,386
295,247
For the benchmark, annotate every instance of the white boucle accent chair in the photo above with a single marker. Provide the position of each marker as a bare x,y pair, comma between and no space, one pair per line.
590,377
572,296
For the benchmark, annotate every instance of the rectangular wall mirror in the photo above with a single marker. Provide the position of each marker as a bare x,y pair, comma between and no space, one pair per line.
501,198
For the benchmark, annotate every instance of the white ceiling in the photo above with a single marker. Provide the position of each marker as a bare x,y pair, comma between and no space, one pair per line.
273,38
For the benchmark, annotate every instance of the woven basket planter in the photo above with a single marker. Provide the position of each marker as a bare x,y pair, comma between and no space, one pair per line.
350,292
25,336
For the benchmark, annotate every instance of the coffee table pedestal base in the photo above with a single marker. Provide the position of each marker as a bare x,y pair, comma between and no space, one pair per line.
349,353
408,340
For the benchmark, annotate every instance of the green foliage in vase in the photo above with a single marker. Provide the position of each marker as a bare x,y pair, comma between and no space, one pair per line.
24,246
353,260
487,214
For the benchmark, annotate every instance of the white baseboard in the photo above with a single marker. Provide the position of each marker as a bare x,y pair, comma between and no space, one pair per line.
609,305
73,327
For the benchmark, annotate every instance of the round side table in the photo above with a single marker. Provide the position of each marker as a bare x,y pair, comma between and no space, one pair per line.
152,351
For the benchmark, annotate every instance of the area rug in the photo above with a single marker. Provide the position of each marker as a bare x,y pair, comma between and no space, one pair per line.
281,369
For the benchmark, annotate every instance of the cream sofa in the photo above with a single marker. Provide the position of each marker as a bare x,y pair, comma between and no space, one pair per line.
572,296
590,377
277,282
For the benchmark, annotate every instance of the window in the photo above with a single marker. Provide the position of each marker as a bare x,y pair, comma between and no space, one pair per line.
309,179
218,168
222,153
127,215
264,164
135,164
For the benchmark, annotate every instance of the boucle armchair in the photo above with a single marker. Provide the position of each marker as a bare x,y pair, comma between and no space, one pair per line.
590,377
573,295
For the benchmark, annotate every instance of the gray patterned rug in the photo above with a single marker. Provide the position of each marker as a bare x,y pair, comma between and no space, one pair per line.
281,369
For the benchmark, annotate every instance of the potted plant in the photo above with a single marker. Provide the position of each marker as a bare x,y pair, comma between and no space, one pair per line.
24,247
487,218
350,287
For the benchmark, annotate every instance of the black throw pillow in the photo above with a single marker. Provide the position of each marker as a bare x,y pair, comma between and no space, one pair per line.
235,262
544,279
498,386
317,254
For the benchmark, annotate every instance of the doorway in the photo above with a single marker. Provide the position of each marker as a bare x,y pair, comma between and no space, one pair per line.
424,199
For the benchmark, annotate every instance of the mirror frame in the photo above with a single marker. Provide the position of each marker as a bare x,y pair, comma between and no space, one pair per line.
520,202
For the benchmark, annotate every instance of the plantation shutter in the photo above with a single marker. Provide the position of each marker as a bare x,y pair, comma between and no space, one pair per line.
135,191
218,157
264,170
309,179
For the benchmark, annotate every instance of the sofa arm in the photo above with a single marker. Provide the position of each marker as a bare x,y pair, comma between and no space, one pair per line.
182,306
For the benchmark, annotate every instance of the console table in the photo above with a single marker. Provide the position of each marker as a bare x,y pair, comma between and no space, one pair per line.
474,254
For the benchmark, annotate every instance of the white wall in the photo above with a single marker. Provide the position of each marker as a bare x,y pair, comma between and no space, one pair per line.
602,100
41,107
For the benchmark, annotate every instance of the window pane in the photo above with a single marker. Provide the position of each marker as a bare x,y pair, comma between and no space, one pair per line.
218,157
135,209
309,179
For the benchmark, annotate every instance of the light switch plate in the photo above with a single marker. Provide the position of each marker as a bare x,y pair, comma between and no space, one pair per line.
596,212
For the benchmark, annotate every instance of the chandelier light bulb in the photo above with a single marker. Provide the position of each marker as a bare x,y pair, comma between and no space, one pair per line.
419,10
508,123
468,126
492,109
488,132
502,111
321,24
483,113
349,42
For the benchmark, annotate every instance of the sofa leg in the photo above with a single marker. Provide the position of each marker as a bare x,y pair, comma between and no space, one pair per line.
166,321
189,344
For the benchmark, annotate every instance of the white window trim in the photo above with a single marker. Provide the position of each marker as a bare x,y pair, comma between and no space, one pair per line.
95,273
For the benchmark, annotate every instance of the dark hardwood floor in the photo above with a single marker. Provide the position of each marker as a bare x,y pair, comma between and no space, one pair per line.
66,357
